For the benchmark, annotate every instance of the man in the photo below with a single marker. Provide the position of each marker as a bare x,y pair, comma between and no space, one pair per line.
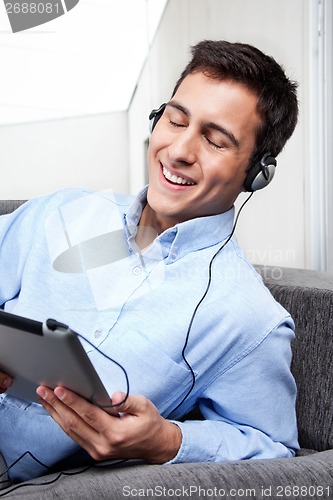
183,313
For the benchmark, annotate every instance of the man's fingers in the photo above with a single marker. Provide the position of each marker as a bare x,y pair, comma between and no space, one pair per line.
74,411
87,424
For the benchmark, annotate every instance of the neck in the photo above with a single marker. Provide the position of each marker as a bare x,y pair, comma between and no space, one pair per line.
150,226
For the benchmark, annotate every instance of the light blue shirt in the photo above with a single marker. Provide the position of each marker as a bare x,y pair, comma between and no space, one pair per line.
72,256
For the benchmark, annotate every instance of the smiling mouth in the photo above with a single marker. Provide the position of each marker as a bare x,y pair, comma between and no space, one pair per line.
174,179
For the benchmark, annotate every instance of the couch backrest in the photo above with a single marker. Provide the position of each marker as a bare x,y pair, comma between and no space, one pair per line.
308,296
7,206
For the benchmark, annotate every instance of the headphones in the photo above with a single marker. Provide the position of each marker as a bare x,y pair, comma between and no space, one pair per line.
155,115
259,175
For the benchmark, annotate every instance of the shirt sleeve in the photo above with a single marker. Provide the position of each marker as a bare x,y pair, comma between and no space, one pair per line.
250,410
17,231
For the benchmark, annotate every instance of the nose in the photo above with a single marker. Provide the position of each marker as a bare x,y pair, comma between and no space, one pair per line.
183,148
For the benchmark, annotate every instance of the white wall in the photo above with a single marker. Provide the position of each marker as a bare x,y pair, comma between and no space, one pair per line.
272,228
90,151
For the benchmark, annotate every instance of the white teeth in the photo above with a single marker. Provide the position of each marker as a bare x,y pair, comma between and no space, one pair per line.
175,179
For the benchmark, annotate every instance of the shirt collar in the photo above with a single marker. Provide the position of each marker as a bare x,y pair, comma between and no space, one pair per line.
134,211
185,237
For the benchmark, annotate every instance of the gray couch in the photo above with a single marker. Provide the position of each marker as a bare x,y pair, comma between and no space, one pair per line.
308,295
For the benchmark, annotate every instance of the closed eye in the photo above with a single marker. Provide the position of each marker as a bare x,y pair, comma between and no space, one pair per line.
213,144
175,124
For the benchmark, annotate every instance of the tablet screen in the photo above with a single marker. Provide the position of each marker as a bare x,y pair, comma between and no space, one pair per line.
49,354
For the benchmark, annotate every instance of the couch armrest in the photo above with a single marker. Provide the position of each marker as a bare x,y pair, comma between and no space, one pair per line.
302,477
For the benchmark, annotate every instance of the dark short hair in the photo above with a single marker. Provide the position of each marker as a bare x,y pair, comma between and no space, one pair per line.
277,99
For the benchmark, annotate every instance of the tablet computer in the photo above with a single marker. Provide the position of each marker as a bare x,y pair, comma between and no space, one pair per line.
49,354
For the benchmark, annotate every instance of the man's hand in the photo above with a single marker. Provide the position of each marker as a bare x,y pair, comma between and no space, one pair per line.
139,432
5,382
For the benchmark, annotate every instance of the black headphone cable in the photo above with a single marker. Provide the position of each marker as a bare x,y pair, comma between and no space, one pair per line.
202,299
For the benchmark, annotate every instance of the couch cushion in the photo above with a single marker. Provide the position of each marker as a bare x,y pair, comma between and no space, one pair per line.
311,306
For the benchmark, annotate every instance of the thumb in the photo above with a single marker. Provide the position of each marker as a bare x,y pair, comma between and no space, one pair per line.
131,404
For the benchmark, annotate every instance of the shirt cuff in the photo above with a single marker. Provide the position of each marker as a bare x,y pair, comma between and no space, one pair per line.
198,443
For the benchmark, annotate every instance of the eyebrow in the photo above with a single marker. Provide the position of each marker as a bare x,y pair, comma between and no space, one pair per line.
209,125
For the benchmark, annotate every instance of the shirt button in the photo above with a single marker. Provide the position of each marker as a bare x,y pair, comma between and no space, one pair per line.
136,270
98,333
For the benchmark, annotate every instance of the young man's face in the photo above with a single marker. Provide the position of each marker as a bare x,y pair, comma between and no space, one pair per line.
200,149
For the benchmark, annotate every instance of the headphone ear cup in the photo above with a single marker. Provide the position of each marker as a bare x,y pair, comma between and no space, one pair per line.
155,115
261,174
